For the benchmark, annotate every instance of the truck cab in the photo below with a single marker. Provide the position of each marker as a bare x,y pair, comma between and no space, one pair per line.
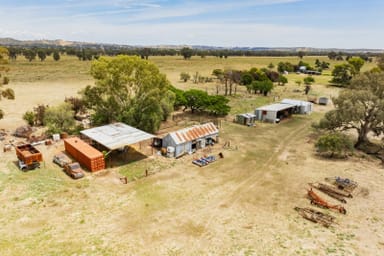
24,167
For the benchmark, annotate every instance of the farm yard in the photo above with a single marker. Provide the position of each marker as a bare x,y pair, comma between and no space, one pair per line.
241,204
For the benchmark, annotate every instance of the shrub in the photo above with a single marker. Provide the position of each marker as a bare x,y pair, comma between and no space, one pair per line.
30,117
5,80
8,93
184,76
334,145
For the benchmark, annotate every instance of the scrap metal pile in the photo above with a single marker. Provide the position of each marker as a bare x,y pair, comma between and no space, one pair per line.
203,161
338,188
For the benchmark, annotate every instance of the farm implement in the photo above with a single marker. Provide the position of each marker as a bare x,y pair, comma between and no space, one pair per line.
316,216
317,200
343,183
332,191
203,161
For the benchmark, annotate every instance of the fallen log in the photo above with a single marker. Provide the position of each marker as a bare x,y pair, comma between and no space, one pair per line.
316,216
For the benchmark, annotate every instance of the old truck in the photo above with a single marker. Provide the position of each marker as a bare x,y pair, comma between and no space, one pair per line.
29,157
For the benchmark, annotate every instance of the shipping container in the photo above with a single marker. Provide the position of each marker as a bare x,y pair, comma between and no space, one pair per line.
85,154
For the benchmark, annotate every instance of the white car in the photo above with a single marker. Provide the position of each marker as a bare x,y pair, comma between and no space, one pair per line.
61,159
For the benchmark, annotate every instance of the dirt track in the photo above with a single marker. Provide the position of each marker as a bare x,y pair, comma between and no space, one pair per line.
240,205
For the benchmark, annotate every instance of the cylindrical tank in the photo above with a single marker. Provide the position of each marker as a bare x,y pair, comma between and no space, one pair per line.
170,151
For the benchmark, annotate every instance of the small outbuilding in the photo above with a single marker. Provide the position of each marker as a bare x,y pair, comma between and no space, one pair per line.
323,101
190,139
274,113
301,107
246,119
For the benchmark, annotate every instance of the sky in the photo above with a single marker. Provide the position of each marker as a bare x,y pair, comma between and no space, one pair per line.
242,23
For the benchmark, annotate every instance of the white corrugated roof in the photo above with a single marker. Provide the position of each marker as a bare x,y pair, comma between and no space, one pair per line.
296,102
276,107
117,135
193,133
247,115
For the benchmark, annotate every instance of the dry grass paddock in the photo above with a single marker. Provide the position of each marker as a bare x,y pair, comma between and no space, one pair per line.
239,205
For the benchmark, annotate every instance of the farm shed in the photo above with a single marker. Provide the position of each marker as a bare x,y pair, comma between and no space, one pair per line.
301,107
116,136
246,119
85,154
274,112
190,139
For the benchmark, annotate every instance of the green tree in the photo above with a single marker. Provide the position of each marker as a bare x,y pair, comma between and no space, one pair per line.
332,55
4,92
186,52
167,103
356,63
282,80
179,97
144,53
264,87
29,117
184,76
217,105
41,54
285,66
246,78
29,54
271,66
60,118
309,80
334,144
127,89
196,100
360,107
342,74
56,55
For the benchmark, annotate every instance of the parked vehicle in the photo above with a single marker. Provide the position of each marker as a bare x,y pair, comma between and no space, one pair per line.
24,167
74,170
29,157
61,159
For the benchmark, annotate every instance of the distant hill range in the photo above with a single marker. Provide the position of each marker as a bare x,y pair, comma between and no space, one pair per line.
63,43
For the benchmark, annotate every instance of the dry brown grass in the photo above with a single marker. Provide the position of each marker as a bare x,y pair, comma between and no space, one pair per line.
239,205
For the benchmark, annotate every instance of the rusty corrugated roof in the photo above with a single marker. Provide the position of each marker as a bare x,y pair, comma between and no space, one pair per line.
193,133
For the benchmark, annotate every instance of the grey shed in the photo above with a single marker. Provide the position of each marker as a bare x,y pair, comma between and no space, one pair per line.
190,139
301,107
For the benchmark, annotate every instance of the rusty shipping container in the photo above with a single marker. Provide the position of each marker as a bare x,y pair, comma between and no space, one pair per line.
85,154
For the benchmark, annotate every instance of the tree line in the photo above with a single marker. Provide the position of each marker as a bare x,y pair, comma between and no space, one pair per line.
127,89
88,52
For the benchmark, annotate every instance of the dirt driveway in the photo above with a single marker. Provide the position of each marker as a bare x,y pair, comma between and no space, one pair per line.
239,205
